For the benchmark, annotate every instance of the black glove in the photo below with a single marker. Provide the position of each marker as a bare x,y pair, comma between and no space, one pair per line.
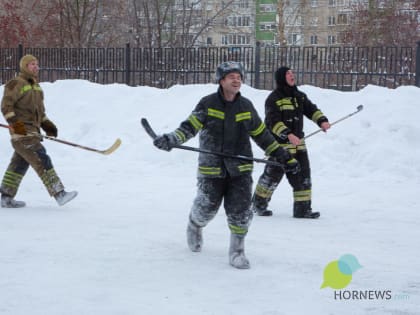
166,141
292,166
49,128
19,128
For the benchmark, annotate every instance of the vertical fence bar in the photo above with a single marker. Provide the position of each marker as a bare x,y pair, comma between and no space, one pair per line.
257,65
127,63
418,64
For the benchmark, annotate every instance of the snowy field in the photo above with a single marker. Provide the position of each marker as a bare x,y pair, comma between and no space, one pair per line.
120,247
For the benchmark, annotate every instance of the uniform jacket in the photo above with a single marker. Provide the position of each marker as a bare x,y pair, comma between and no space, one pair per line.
23,100
226,127
284,114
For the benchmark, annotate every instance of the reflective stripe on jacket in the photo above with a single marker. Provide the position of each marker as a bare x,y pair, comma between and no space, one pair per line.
23,100
226,127
284,114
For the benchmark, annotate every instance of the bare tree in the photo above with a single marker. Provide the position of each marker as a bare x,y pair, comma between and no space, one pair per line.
290,16
181,23
387,23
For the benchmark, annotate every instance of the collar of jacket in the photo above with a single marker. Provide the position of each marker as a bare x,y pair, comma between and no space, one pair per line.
28,77
287,91
220,92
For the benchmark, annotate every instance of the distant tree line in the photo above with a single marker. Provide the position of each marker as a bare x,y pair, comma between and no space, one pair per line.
180,23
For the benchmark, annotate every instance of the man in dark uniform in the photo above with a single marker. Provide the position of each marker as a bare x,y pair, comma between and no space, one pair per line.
285,109
23,108
226,121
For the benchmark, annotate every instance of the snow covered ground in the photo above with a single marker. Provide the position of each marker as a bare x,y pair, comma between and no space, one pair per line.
120,248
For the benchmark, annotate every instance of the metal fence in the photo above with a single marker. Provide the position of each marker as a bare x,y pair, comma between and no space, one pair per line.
341,68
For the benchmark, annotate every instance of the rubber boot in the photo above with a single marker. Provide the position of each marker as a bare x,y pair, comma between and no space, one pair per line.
63,197
194,236
9,202
259,206
237,252
302,210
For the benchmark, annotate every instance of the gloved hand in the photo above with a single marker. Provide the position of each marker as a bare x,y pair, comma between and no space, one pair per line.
166,141
49,127
19,128
292,166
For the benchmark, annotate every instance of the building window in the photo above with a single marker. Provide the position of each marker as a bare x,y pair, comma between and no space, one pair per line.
331,40
314,3
267,7
294,39
331,20
267,26
243,4
314,40
342,19
209,41
238,21
235,39
314,21
332,3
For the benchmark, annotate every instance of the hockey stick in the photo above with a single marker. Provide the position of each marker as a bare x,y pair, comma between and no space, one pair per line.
359,108
153,135
111,149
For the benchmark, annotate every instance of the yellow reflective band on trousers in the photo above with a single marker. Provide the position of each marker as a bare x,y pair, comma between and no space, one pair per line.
263,192
245,167
257,131
11,179
285,104
302,195
195,122
317,115
279,128
272,147
243,116
51,181
205,170
237,229
28,87
216,113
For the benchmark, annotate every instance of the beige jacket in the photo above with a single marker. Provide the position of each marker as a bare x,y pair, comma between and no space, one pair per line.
23,100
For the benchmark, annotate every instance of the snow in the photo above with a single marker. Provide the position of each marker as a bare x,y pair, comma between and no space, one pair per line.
120,246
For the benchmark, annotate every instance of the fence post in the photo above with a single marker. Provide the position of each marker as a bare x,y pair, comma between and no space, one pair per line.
19,56
127,63
418,65
257,65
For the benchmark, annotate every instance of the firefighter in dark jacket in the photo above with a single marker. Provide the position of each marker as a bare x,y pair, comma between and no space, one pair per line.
23,108
285,109
225,120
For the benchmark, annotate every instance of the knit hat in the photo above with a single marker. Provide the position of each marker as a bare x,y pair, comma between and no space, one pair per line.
24,62
280,76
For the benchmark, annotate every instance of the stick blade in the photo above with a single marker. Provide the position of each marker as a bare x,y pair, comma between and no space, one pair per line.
359,108
148,128
112,148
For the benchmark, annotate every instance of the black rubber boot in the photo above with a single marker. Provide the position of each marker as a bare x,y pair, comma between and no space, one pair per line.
259,206
302,210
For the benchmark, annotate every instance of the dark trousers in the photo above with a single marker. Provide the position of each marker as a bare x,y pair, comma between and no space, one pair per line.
272,175
235,192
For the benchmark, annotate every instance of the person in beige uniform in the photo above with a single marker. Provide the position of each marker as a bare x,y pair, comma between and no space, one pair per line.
23,108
